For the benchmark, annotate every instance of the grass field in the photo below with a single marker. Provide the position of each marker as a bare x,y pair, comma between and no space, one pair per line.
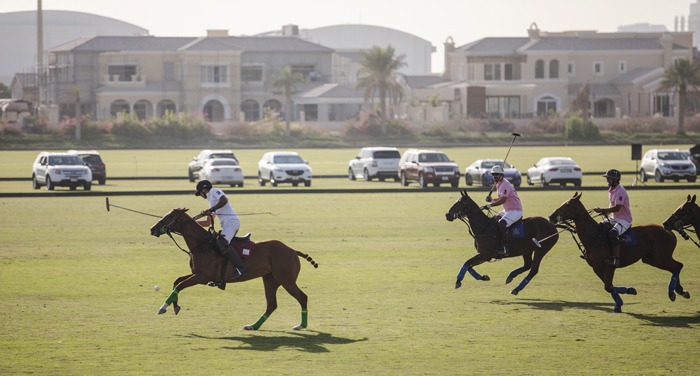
78,298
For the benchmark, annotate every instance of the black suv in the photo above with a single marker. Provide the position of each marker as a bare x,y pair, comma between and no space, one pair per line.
93,160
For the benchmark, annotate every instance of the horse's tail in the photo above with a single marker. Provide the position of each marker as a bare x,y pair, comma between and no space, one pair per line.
307,258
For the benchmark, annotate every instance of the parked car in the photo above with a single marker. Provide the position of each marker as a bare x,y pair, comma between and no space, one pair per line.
222,171
555,170
426,167
283,167
60,170
479,172
203,156
667,164
93,160
695,157
375,162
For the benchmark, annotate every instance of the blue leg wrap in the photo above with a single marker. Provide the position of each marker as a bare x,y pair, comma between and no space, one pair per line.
522,284
462,272
619,290
515,273
474,274
673,283
616,297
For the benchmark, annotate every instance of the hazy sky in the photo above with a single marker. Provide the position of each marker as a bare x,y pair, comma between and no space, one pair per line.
434,20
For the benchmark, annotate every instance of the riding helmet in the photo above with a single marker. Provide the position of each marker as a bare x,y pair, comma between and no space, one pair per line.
612,174
497,169
204,184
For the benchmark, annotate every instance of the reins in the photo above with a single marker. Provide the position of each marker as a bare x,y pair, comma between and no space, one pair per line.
169,231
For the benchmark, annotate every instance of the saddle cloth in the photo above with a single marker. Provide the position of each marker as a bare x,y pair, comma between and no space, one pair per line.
243,245
627,239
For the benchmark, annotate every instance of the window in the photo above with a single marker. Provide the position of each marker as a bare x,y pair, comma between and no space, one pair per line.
508,71
622,66
168,71
503,107
539,69
571,68
213,74
123,72
598,68
311,112
662,104
251,73
251,109
492,72
546,106
304,70
554,69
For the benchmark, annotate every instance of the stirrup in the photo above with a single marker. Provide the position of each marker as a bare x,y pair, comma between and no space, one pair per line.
613,261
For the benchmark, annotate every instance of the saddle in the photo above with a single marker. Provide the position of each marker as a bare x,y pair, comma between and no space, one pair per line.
515,231
601,239
242,244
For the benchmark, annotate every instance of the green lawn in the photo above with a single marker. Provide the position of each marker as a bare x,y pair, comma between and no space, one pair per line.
78,298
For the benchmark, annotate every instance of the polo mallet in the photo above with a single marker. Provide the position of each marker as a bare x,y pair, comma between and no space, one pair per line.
107,204
515,135
538,242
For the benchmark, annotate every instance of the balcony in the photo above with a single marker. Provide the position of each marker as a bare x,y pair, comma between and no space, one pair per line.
115,80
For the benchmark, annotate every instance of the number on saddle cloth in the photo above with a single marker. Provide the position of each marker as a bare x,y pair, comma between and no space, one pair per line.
243,245
515,231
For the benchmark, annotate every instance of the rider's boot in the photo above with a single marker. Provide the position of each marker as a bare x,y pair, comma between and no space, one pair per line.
503,229
614,260
236,260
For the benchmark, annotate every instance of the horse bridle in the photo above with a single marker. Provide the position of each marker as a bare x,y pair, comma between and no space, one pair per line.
679,224
168,230
462,216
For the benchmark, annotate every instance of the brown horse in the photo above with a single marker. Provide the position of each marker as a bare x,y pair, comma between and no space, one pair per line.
276,263
486,240
649,243
687,216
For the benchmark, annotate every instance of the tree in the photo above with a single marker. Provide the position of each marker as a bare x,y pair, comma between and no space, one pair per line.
286,81
679,77
378,73
5,91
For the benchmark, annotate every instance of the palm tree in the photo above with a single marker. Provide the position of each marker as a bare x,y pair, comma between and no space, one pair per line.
681,76
378,73
286,81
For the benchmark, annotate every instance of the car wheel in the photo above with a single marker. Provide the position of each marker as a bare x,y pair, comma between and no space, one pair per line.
87,186
307,183
529,182
190,175
643,176
404,181
365,175
295,184
544,182
49,183
351,175
261,181
577,183
468,179
691,179
658,177
240,184
73,187
102,181
272,180
455,183
397,179
421,181
35,184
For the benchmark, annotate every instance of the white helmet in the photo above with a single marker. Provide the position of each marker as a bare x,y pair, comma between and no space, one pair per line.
497,169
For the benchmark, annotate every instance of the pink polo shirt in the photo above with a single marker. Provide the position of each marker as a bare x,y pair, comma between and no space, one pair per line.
505,189
618,196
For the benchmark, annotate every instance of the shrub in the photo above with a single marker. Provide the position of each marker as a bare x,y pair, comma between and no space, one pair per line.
578,129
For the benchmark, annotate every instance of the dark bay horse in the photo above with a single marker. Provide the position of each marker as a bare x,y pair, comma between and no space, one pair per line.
649,243
486,240
276,263
685,218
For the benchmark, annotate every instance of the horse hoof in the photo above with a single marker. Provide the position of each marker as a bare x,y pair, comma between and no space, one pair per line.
485,278
298,327
176,309
509,280
685,294
458,285
631,291
672,296
248,327
618,309
514,292
162,311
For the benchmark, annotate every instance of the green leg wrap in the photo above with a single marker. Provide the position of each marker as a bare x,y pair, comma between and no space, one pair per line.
304,318
260,321
172,297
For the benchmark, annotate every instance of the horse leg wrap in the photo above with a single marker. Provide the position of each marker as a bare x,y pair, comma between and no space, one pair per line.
617,299
260,321
516,272
462,272
304,318
673,283
172,297
474,274
523,283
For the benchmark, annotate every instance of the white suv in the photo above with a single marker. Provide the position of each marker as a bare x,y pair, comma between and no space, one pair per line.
667,164
60,169
375,162
283,167
205,155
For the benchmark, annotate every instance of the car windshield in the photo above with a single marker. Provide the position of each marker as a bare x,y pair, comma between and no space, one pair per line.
288,159
91,158
387,154
65,160
224,162
672,156
432,157
561,162
222,155
490,164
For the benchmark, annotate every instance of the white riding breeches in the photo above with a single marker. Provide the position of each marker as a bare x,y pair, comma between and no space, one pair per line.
620,225
510,217
229,228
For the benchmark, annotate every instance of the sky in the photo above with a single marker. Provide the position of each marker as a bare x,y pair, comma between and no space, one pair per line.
434,20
